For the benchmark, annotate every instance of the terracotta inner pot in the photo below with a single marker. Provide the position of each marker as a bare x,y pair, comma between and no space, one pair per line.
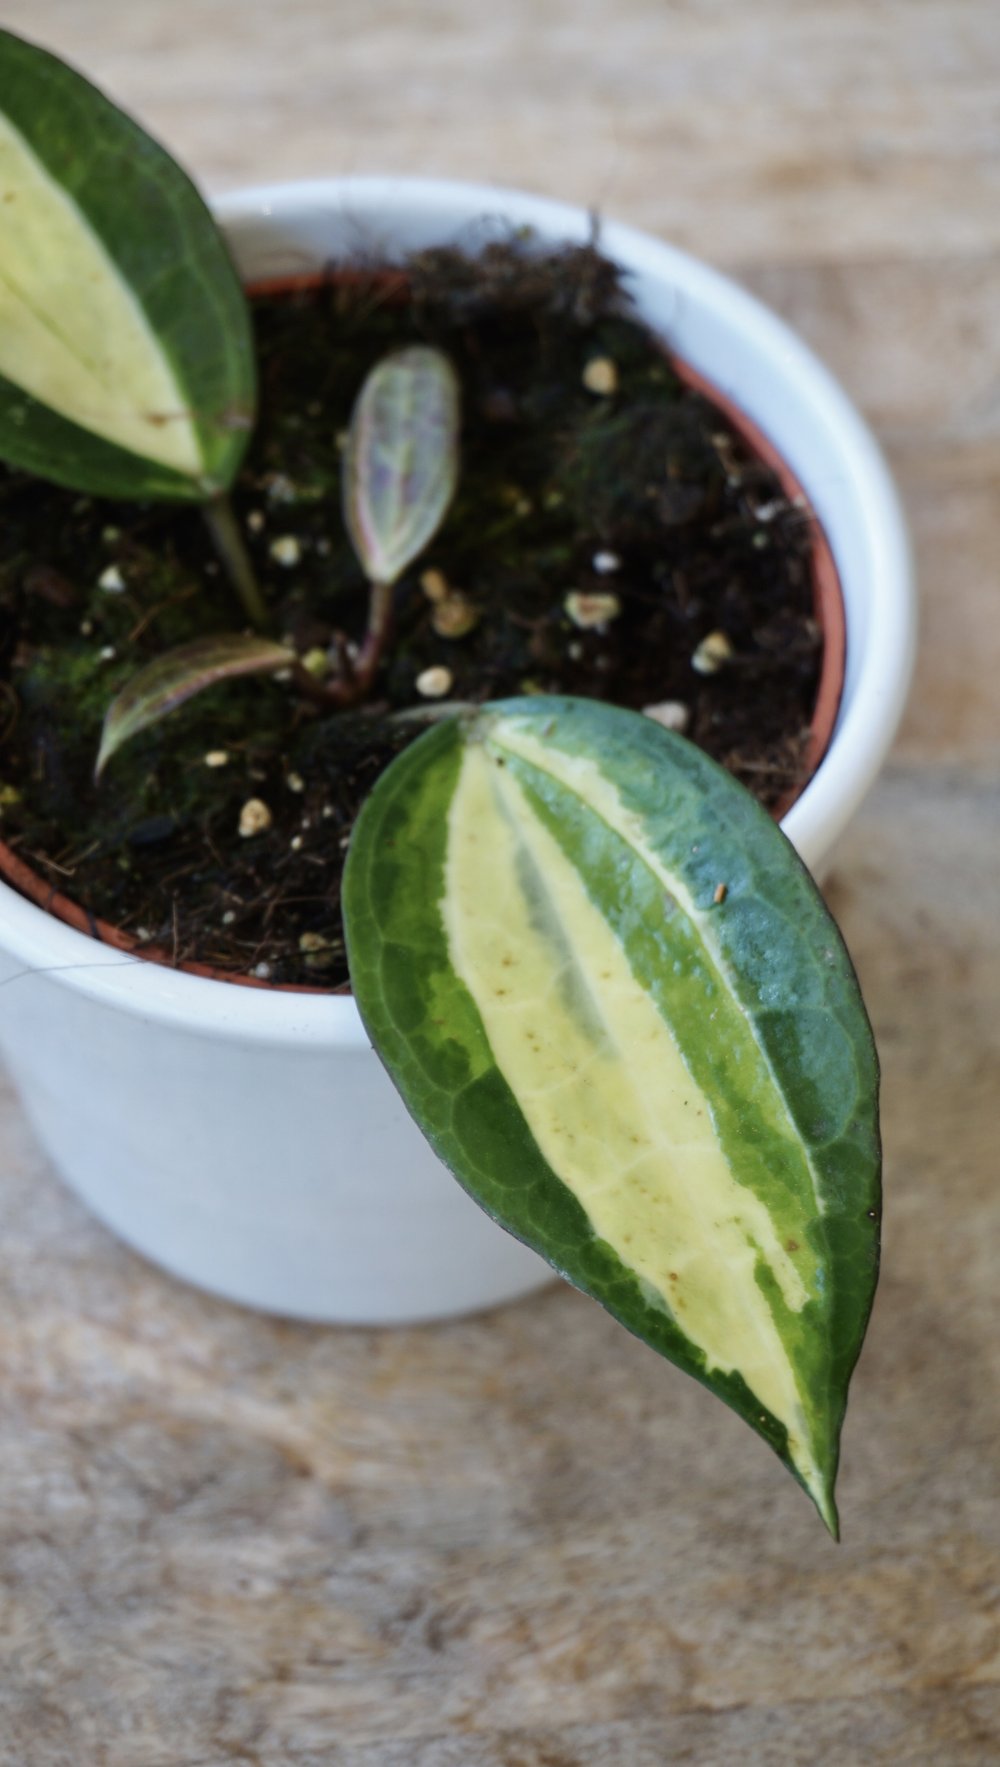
828,599
828,602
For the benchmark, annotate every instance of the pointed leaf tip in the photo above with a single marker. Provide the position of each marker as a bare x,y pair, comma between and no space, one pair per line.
177,676
668,1091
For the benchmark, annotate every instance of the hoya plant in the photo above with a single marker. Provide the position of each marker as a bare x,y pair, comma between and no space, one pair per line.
400,472
595,969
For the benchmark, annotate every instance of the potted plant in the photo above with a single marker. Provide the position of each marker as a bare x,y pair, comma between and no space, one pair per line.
249,1138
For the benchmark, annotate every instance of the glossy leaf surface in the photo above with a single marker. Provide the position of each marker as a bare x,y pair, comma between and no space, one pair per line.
126,359
613,1000
178,675
401,461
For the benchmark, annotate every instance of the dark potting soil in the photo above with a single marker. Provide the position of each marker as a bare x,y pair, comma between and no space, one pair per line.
588,469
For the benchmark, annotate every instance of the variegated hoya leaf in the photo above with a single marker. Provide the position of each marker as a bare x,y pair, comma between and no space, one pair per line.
178,675
126,358
401,461
613,1000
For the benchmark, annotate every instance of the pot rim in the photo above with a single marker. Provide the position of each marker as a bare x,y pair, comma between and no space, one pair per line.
872,702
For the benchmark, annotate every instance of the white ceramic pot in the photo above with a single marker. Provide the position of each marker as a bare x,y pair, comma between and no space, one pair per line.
249,1140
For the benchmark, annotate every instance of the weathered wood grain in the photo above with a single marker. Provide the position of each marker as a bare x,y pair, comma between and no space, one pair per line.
520,1540
748,133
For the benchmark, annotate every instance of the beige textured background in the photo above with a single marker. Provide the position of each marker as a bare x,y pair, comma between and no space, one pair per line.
520,1541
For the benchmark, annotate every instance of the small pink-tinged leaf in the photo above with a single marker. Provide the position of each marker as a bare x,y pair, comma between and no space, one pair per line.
177,676
401,462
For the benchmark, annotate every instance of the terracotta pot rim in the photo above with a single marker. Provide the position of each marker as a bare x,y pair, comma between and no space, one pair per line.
828,598
828,602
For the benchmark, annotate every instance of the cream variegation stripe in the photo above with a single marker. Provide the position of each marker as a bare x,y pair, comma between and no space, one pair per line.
606,1093
583,776
72,333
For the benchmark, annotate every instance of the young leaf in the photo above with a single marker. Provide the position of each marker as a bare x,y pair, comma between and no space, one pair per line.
177,676
126,358
401,462
613,1000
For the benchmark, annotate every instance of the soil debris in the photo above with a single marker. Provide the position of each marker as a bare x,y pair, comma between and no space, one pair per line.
563,484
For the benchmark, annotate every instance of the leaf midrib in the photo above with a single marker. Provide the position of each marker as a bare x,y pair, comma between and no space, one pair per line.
52,328
678,889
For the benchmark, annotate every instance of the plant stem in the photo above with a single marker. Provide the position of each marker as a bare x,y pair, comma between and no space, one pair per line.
442,708
229,544
349,690
379,622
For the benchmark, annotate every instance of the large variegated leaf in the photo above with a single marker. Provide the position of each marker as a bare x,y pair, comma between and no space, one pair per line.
126,360
614,1001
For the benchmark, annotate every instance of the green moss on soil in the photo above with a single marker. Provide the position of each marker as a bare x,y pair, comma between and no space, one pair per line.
552,476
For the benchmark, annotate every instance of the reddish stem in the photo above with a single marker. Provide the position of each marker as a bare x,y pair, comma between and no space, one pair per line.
351,689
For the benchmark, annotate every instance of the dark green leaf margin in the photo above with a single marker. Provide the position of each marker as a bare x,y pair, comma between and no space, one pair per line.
428,1031
164,241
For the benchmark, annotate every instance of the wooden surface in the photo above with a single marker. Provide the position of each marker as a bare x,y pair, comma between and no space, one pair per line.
520,1541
